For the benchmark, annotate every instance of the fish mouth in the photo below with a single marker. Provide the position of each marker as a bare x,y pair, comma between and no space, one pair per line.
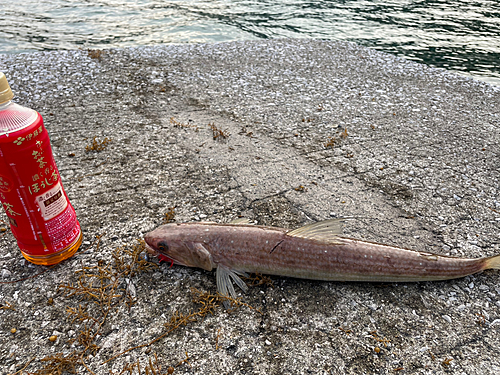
161,256
174,261
150,250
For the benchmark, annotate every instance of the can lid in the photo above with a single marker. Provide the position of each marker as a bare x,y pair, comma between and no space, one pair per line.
5,91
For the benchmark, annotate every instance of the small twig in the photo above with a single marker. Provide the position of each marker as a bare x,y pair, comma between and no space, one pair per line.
346,331
184,361
26,365
7,306
29,277
87,367
217,339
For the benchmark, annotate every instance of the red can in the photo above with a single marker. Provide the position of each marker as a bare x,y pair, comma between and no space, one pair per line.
32,195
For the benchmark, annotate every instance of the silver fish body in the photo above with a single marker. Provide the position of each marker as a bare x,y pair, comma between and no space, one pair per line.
315,251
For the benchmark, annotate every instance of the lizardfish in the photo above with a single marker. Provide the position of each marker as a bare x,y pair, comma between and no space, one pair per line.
316,251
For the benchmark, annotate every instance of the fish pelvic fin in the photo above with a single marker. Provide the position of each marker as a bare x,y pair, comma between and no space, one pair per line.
225,284
325,231
492,262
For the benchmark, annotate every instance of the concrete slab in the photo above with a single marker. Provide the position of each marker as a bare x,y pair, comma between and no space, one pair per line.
414,157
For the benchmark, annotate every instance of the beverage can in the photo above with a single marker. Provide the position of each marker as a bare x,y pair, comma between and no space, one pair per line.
40,214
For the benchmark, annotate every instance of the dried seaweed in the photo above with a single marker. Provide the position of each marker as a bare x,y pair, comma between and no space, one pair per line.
100,291
151,367
179,124
98,288
7,306
217,133
98,145
336,139
208,303
258,279
95,53
169,216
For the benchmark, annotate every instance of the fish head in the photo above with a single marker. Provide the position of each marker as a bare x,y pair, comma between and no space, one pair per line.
175,242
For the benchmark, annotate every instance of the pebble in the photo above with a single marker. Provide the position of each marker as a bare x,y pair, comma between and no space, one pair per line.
6,274
447,318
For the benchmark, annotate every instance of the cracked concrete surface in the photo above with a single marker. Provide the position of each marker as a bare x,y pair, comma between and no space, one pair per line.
419,168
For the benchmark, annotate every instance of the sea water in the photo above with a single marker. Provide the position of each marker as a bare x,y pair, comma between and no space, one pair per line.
458,35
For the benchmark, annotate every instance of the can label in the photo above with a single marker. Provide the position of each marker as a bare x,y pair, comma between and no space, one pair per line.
5,184
52,202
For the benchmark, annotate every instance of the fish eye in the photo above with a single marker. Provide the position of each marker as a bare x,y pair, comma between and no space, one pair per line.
163,246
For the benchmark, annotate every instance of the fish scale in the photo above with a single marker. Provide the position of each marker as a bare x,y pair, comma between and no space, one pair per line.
351,260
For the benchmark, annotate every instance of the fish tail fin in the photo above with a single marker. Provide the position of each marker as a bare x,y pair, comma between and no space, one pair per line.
492,262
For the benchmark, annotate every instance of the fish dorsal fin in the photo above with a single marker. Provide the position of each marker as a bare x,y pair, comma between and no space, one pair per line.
241,221
324,231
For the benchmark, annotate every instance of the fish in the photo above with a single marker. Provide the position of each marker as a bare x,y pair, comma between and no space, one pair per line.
316,251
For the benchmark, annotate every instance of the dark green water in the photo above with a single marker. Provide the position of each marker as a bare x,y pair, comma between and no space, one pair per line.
462,36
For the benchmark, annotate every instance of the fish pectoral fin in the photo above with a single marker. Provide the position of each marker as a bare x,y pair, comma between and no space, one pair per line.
241,221
234,275
325,231
200,256
225,285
